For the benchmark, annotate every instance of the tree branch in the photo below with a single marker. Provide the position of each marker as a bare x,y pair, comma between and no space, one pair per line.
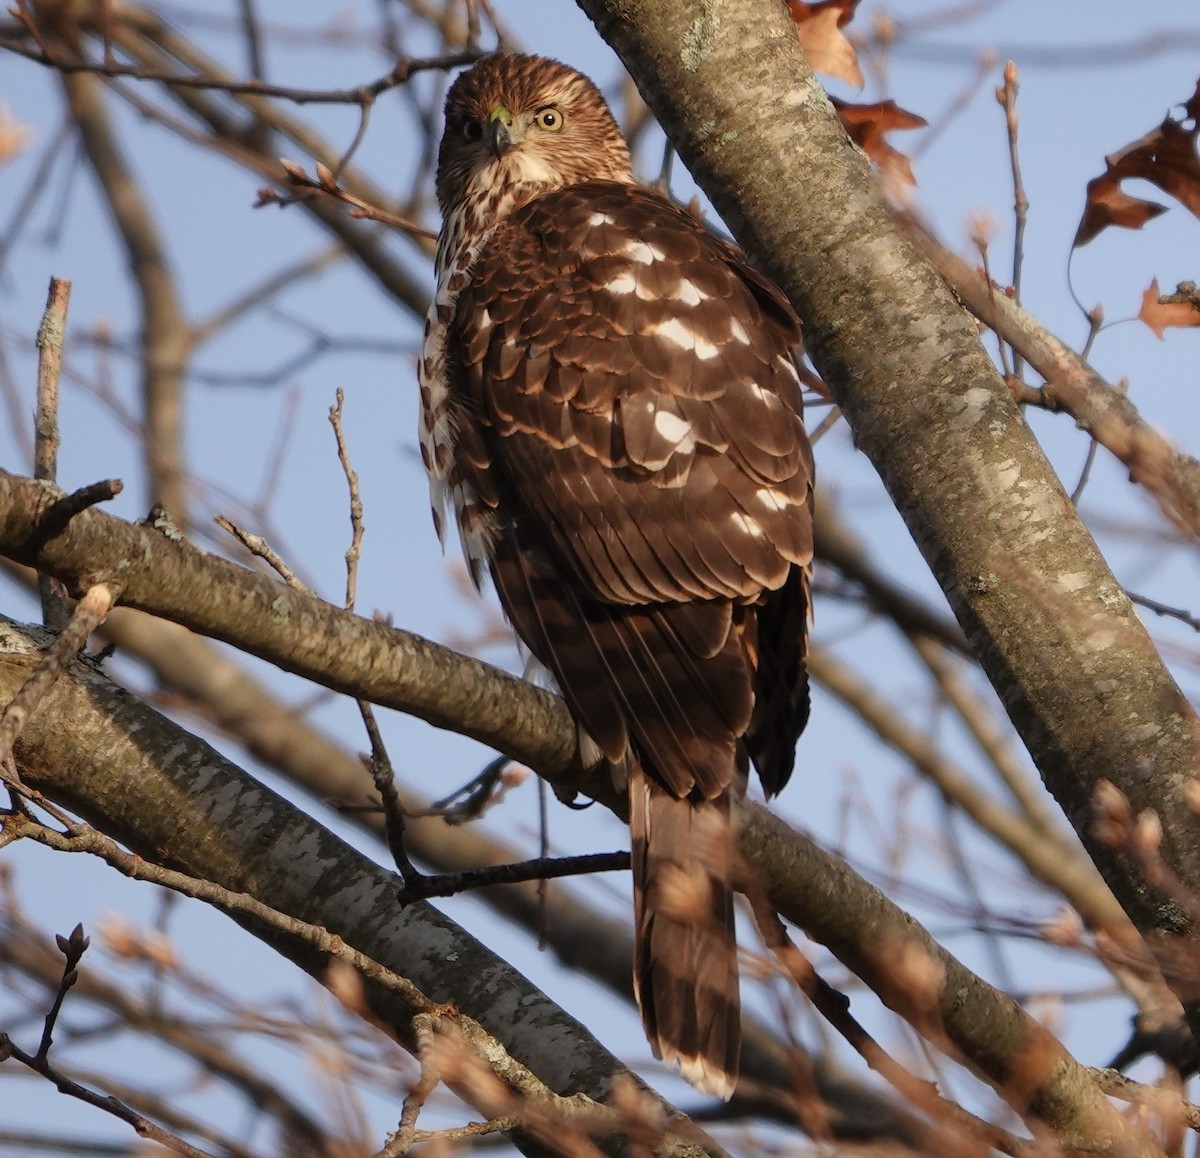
811,888
119,764
1055,632
1106,413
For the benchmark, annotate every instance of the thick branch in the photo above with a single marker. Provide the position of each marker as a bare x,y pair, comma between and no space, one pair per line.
1055,632
1099,408
129,771
299,633
169,577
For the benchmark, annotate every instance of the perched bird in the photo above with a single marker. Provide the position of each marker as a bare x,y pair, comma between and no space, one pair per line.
610,400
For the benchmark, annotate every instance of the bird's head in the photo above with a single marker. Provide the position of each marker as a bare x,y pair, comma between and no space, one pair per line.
526,125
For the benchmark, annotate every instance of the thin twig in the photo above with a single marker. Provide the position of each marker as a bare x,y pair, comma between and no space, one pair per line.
257,545
364,118
1006,95
379,763
504,1125
472,23
835,1008
663,184
1162,609
354,551
51,336
255,58
984,64
272,468
1100,409
541,868
395,824
73,949
401,1142
403,71
1095,321
326,184
471,800
826,424
83,838
987,733
110,1105
1165,1102
543,886
272,285
981,244
39,182
1141,837
57,515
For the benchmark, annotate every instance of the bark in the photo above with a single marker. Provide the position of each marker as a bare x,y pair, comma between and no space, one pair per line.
160,572
174,800
1104,411
1052,628
950,1006
1055,633
296,631
586,941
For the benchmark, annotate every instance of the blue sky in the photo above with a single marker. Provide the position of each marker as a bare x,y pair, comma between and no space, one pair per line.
1087,89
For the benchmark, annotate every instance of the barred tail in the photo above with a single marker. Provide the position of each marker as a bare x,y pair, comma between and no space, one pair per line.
685,976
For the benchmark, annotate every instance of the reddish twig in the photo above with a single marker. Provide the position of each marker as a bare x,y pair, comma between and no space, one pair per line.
326,184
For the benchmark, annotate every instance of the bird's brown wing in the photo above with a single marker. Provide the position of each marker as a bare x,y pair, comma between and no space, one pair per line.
627,385
628,415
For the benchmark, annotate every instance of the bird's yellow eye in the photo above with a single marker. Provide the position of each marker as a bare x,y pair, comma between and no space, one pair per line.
472,129
549,119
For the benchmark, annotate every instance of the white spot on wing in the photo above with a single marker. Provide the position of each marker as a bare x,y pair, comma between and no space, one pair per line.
789,367
623,283
746,524
739,332
601,219
642,252
772,500
689,293
671,426
682,335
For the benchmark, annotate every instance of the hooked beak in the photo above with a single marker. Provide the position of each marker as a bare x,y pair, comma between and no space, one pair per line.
500,137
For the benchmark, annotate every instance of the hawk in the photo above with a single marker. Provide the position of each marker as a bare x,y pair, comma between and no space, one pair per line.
610,402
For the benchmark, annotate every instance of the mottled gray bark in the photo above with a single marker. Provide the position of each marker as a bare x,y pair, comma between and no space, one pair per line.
1055,632
961,1012
174,800
162,573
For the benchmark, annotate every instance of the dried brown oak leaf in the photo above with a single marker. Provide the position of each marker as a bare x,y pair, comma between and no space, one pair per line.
1161,311
1165,157
867,124
828,51
826,48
